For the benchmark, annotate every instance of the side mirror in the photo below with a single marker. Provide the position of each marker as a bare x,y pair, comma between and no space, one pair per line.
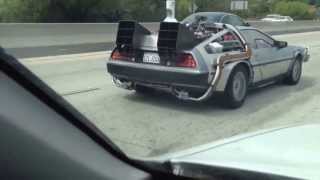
214,48
280,44
247,24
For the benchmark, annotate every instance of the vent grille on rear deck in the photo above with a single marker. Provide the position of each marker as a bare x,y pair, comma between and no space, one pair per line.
175,37
168,36
131,34
125,33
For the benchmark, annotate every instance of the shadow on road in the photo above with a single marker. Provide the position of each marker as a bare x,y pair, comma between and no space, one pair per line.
170,125
257,98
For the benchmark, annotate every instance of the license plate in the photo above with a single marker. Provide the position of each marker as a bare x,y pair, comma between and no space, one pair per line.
151,58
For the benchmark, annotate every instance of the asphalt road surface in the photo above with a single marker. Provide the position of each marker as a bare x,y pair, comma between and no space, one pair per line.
153,125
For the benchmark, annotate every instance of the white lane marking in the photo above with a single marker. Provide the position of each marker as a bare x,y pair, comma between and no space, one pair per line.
74,92
66,58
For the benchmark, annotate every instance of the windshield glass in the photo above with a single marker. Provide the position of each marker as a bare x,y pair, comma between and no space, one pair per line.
156,87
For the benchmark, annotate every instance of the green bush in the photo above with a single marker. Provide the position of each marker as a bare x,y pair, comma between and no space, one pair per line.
183,8
295,9
59,10
141,10
22,10
259,8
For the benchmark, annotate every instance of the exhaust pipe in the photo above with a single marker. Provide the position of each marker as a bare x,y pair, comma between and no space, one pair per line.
171,11
123,84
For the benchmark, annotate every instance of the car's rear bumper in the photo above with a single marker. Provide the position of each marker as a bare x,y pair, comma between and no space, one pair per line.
159,75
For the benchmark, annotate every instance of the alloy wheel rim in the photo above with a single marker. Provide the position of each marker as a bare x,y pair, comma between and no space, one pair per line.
239,86
296,71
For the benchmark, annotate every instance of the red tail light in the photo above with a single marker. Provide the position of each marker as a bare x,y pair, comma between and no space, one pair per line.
186,60
121,55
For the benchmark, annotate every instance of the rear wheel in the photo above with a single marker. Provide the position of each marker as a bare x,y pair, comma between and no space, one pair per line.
143,89
237,88
295,73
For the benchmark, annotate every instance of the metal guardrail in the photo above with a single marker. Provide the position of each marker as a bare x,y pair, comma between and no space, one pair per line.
16,35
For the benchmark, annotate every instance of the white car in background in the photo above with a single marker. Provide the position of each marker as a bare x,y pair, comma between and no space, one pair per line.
277,18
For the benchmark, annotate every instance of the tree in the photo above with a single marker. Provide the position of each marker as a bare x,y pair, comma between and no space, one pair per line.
213,5
59,10
143,10
183,8
314,2
21,10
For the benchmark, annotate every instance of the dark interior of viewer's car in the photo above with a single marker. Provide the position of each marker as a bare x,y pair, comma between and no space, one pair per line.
64,116
44,137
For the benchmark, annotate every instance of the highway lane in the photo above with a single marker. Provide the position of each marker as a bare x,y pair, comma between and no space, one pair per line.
153,125
27,52
21,35
37,39
41,39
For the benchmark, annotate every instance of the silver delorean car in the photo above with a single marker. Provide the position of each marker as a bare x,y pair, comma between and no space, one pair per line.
198,59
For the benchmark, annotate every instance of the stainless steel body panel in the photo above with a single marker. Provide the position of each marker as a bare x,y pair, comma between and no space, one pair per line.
272,61
228,70
263,63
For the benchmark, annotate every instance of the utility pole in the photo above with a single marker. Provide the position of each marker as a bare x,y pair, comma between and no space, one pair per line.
192,5
171,11
227,5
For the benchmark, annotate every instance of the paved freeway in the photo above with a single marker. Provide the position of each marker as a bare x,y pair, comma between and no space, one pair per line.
36,40
153,125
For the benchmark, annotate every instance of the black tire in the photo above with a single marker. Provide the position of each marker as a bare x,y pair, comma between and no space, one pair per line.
143,89
232,98
294,77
